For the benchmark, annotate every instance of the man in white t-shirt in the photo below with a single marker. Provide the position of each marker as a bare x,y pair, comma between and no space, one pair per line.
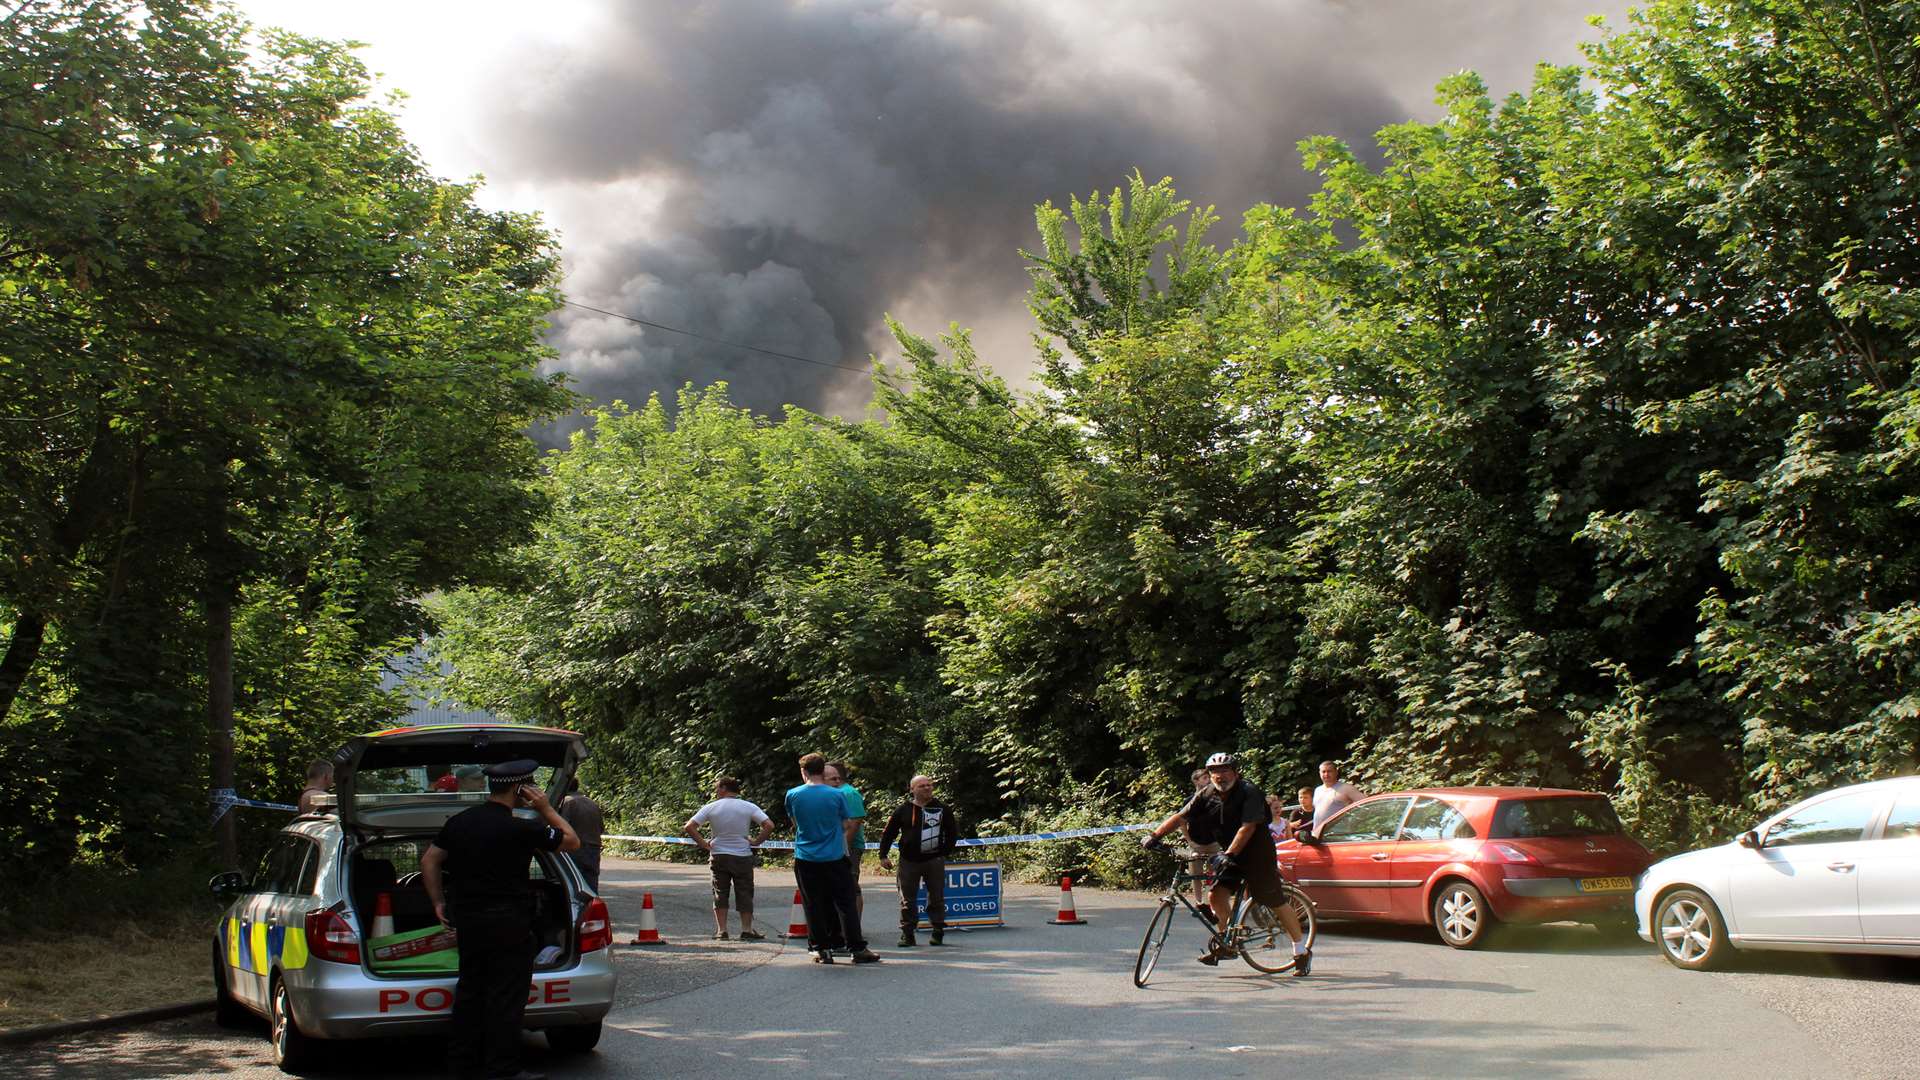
1332,796
730,854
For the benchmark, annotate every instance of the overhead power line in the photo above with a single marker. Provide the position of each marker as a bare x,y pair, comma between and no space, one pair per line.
717,341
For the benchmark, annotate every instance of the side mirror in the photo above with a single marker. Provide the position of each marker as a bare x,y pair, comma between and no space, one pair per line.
227,885
1751,839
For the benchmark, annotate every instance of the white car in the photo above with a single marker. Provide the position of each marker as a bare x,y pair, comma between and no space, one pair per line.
1839,872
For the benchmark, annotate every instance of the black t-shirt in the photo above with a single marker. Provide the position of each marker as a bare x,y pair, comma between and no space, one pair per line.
1202,813
487,854
1243,804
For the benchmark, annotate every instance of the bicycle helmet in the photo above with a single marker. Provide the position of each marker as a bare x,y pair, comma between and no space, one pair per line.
1223,761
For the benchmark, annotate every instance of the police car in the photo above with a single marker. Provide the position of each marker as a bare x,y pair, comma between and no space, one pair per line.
333,937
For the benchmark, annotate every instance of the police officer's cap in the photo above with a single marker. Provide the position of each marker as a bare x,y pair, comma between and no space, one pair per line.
512,772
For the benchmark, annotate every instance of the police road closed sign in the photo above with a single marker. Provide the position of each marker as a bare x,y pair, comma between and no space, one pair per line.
973,895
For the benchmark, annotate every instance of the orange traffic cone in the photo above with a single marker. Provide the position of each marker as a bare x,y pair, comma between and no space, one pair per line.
1067,916
649,934
797,922
382,916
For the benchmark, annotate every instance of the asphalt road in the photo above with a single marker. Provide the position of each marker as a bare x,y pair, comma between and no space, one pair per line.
1036,1000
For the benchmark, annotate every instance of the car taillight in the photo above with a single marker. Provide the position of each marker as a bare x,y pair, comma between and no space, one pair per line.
330,938
595,929
1508,853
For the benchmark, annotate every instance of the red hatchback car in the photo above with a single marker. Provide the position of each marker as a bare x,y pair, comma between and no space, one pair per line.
1464,858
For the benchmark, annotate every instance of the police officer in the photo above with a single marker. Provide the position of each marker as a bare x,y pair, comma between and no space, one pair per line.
487,849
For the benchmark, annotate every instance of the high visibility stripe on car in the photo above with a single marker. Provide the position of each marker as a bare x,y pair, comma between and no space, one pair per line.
258,939
233,943
288,944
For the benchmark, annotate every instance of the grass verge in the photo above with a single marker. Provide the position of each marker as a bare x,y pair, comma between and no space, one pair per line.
54,977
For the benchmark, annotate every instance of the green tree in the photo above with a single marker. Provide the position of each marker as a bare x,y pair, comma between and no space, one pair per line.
255,358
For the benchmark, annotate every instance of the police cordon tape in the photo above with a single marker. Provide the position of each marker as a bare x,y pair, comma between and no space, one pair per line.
984,841
224,799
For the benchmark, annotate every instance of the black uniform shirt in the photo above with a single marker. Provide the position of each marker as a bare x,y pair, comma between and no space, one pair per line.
487,854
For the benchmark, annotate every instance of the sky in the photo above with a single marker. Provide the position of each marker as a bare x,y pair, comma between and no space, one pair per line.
786,173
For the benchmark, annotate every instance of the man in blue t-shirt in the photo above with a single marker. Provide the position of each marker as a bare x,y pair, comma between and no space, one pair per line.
820,866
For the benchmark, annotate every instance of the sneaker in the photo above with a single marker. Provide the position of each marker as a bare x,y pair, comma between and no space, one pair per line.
906,940
939,938
823,956
1209,959
866,956
752,935
722,936
1303,964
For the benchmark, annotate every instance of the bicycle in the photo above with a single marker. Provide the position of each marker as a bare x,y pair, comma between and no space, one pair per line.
1253,930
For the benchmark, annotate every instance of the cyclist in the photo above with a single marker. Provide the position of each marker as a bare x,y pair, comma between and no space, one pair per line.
1241,816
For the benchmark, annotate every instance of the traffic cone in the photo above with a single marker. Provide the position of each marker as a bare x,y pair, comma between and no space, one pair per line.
1067,917
797,922
382,916
648,934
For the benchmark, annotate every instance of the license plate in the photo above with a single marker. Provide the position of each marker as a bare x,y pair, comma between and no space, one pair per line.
1606,884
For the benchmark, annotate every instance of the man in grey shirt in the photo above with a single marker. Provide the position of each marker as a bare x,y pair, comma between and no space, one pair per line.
589,822
730,854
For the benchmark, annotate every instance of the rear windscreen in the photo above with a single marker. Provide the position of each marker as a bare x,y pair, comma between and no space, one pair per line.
441,777
1520,819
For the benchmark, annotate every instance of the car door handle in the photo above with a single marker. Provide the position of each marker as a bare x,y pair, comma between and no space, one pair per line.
1379,856
1840,867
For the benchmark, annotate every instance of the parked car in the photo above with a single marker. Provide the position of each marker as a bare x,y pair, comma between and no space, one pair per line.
1839,872
333,937
1463,859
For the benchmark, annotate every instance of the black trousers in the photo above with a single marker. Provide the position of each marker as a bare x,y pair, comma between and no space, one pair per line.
588,861
826,891
490,1000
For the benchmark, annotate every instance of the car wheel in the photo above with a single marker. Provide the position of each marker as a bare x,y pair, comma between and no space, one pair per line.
227,1010
573,1038
293,1050
1461,915
1689,930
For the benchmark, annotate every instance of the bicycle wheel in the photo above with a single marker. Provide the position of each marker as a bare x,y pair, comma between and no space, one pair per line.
1262,937
1151,944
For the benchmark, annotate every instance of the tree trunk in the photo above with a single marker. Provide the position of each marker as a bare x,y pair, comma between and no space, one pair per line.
220,588
23,649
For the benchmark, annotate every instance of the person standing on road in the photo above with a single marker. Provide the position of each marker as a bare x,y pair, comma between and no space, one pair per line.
589,823
1197,821
839,776
927,833
820,865
319,779
488,849
730,854
1332,795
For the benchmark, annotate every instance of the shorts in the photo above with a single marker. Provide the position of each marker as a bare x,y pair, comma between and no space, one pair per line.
1198,866
732,873
1260,873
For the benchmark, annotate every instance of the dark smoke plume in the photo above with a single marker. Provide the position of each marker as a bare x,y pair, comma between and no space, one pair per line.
812,165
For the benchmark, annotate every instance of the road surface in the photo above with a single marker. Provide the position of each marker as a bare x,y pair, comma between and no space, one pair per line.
1057,1002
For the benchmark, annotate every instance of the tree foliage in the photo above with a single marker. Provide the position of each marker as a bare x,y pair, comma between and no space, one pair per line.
1572,443
252,355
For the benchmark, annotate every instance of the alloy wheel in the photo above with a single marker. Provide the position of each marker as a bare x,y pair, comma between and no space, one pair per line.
1460,915
1686,932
